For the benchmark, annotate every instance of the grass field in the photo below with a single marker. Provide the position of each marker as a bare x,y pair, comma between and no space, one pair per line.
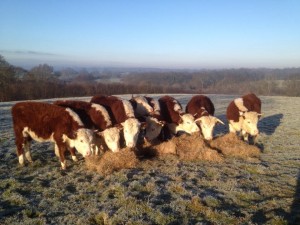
163,190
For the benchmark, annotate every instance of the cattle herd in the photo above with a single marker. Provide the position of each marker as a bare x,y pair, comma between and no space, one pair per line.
110,123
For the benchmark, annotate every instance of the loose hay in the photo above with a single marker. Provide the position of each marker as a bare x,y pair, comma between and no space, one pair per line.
231,146
186,147
110,161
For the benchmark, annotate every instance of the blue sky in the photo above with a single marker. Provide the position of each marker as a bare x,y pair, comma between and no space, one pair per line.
160,34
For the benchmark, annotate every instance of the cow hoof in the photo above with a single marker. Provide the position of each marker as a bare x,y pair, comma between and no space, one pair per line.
74,158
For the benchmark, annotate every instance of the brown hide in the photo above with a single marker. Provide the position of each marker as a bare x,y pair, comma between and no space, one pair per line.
90,117
43,119
113,105
200,105
168,113
250,101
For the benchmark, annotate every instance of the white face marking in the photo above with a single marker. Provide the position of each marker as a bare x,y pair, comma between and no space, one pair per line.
188,124
131,129
74,116
249,125
153,128
207,124
103,111
128,108
112,138
83,141
240,104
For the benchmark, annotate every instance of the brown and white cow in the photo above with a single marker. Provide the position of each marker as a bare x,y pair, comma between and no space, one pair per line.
147,109
202,108
243,115
95,116
176,119
121,113
46,122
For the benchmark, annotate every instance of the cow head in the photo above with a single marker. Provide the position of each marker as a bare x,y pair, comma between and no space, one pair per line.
249,122
153,128
111,137
142,107
187,124
82,142
131,129
207,124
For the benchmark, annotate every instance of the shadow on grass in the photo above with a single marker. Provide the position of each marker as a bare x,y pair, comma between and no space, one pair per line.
269,124
295,208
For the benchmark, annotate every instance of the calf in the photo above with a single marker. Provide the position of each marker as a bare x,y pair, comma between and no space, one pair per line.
243,115
177,120
147,109
121,113
46,122
202,108
95,116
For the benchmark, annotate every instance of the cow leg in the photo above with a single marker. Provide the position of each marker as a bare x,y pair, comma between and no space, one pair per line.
73,154
245,135
62,158
20,143
60,153
27,151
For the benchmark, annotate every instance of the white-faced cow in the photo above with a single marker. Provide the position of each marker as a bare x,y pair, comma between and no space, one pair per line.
176,119
95,116
121,113
202,108
147,109
46,122
243,115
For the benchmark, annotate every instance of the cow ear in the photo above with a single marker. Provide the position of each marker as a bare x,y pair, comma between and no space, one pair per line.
199,120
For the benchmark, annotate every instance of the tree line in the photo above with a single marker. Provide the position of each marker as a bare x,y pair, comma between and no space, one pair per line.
43,82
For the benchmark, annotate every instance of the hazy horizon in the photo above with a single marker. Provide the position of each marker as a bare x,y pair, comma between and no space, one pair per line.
156,34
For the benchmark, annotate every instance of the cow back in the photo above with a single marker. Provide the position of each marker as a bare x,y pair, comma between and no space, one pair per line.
197,103
252,102
45,119
81,108
170,109
114,107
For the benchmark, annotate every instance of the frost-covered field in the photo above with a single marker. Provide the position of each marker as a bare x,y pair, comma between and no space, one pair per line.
161,191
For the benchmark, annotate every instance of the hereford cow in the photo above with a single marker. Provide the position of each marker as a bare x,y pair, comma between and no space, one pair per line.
202,108
146,109
176,119
243,114
95,116
46,122
121,113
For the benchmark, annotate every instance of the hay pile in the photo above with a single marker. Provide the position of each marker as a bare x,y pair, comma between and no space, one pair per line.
186,147
231,146
110,161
